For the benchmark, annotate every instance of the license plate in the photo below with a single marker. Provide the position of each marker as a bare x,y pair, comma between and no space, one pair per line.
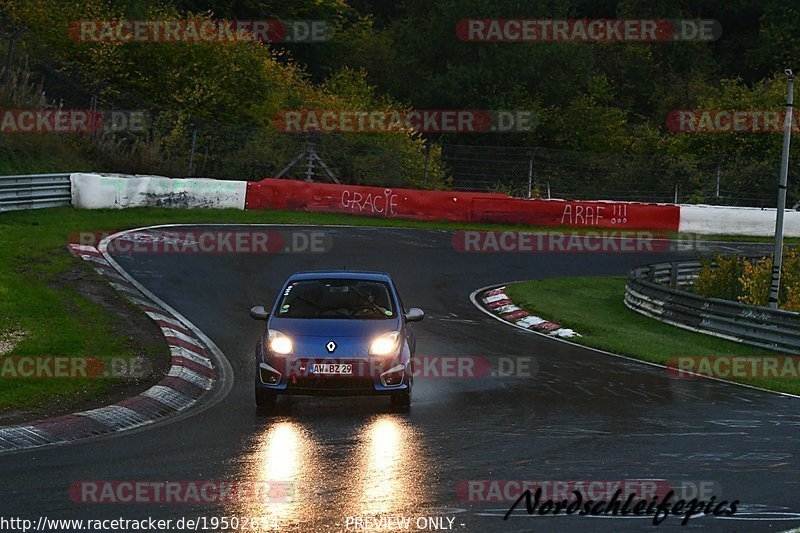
342,369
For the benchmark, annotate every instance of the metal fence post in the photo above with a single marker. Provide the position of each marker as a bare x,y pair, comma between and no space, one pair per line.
92,116
777,259
310,151
530,175
12,43
427,159
191,152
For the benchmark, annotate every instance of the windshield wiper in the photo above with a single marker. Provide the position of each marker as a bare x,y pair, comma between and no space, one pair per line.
309,302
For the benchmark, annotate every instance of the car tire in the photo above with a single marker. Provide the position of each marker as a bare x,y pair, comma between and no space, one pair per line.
265,399
402,398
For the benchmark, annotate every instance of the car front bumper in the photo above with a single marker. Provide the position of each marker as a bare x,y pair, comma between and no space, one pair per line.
293,375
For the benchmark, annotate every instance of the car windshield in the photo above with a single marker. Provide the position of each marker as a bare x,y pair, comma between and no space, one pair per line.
337,298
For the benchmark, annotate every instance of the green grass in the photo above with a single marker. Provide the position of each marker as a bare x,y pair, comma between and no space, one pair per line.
593,307
79,219
746,238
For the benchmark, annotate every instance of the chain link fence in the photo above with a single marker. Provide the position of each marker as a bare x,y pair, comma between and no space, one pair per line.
549,173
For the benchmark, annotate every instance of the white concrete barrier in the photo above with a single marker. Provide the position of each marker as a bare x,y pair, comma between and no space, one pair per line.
104,191
719,220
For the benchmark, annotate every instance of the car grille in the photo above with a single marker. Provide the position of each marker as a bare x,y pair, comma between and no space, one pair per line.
332,383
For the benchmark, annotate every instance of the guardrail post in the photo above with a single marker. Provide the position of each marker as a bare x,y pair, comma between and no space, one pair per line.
673,275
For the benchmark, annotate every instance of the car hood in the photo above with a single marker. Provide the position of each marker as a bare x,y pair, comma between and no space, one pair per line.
333,327
352,338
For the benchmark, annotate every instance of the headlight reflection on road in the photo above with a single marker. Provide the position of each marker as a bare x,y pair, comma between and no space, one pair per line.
282,453
388,482
377,470
384,458
278,460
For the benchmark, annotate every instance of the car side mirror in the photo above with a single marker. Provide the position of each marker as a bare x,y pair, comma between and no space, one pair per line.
259,313
415,314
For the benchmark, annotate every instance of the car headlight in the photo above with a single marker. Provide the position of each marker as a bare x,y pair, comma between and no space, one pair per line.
386,344
279,343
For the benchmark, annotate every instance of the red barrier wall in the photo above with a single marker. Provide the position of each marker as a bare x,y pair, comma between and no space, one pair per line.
456,206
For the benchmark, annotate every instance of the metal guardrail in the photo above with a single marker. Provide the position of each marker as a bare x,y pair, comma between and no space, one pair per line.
27,191
655,291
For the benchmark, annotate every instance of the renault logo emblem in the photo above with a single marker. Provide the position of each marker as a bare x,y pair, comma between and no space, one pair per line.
331,346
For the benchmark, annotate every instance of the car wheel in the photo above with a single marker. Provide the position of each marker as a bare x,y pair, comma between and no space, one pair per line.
265,399
402,398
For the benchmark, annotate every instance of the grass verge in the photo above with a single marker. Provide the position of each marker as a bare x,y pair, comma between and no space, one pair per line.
593,307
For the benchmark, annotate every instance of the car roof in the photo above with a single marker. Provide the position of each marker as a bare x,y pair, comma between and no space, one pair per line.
341,274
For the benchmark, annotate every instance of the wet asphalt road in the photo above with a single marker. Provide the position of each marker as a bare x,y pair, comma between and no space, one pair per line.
581,416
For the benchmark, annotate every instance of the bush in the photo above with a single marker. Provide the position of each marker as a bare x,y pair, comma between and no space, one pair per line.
755,281
748,281
720,281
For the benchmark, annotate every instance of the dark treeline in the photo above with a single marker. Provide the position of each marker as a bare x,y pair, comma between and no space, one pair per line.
589,98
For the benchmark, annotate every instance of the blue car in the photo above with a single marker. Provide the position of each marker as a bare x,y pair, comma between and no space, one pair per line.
336,333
